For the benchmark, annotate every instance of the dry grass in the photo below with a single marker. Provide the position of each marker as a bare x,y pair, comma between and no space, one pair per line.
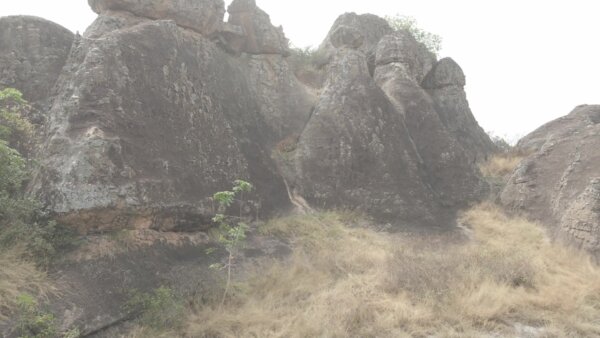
501,165
16,277
355,282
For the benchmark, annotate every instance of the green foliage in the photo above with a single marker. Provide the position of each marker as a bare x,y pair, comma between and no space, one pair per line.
433,42
232,237
307,58
12,107
160,309
21,220
33,322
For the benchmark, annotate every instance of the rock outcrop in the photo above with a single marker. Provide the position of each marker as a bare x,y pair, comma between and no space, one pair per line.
151,120
205,17
445,84
33,52
402,63
356,150
370,27
558,183
160,104
260,36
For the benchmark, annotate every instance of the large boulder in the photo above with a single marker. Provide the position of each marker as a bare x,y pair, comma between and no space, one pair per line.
261,37
445,83
351,26
558,182
284,103
356,151
401,65
203,16
151,120
33,52
401,47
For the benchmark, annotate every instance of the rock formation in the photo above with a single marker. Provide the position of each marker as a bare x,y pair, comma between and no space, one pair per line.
205,17
33,52
445,83
161,103
401,65
558,183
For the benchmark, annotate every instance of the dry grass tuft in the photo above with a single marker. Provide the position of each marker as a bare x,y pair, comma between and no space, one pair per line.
16,277
501,165
342,282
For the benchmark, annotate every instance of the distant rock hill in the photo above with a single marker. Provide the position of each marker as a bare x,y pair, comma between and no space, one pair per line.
559,183
160,104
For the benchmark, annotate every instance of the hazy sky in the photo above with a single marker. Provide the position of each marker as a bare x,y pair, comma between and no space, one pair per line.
526,61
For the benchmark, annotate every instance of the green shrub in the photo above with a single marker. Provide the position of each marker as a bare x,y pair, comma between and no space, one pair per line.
308,58
160,309
433,42
22,222
33,322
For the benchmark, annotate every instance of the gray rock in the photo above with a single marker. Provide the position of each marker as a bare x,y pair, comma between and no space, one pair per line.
145,130
261,37
447,166
285,104
401,47
370,26
558,182
203,16
346,36
445,84
356,152
33,52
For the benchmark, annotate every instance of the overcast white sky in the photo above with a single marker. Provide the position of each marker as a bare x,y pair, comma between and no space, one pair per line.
527,61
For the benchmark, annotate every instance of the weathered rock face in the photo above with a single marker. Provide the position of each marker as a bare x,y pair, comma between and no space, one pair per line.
401,66
145,130
371,27
152,117
445,83
356,150
284,104
261,37
204,16
558,183
33,52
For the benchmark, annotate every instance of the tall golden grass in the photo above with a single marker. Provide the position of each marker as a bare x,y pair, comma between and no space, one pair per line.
345,281
19,276
501,165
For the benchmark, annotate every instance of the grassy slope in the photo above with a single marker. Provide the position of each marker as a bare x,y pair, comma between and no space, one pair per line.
18,276
343,281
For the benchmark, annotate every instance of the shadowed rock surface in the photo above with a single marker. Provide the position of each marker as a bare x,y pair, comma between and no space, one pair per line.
558,183
445,83
448,168
145,122
356,151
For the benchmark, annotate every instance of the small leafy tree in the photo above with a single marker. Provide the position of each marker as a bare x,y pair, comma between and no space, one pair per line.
232,230
21,218
33,322
433,42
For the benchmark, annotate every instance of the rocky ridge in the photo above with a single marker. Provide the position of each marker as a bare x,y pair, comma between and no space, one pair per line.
558,183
